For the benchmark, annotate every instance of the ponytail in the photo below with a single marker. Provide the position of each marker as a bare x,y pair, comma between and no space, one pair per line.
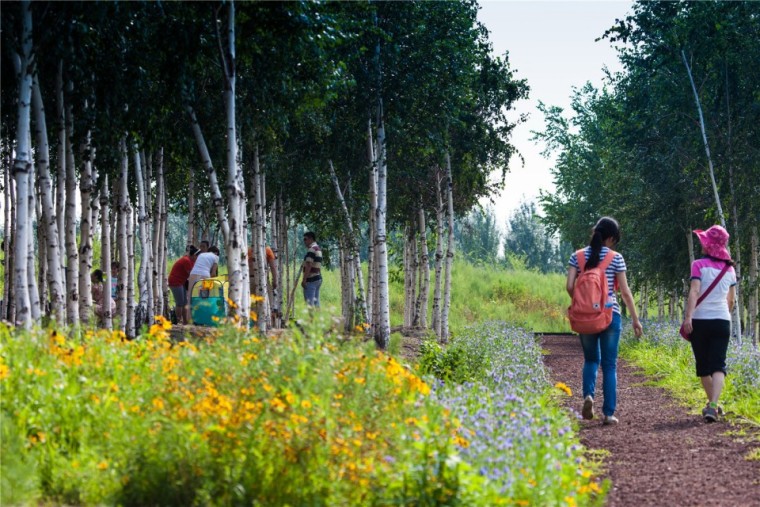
596,249
606,227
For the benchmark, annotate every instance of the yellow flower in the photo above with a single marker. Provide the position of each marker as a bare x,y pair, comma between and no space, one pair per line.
5,372
158,403
163,322
207,284
231,303
256,299
564,388
103,465
254,316
305,404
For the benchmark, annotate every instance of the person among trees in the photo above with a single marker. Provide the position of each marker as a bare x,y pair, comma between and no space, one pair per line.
204,246
602,348
206,266
312,266
99,294
708,322
178,283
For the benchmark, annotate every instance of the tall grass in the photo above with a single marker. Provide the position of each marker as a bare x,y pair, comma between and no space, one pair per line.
527,299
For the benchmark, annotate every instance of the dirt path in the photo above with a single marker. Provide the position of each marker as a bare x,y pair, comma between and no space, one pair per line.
659,453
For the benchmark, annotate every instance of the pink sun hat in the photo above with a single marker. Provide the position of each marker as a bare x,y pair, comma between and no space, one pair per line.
714,240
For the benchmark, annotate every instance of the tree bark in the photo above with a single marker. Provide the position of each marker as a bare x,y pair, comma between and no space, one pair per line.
8,232
49,222
436,320
22,167
383,323
371,254
105,253
142,219
449,253
424,291
122,238
85,226
72,254
130,327
60,202
34,295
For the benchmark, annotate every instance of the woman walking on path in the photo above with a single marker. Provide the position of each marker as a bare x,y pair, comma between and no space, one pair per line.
708,322
602,348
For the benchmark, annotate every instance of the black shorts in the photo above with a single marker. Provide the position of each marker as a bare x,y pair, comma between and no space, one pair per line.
709,341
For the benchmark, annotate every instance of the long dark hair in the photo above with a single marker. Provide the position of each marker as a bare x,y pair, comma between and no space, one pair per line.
606,227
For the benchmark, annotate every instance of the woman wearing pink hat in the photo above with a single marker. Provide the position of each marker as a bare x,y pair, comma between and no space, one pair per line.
708,321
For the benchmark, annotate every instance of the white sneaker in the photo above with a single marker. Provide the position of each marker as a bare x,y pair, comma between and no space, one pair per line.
588,407
609,419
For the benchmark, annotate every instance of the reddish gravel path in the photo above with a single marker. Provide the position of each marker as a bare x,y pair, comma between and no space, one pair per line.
659,453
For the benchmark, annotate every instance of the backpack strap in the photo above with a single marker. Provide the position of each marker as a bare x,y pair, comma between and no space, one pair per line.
608,259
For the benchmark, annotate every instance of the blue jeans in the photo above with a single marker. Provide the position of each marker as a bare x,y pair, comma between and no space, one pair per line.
602,348
311,292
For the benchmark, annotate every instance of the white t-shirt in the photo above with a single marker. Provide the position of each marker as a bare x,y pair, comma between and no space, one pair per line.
715,305
203,264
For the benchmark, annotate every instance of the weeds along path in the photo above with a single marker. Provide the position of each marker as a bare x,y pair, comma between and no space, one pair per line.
659,454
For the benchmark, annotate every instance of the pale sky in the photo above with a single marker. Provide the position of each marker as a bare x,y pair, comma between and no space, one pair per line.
551,44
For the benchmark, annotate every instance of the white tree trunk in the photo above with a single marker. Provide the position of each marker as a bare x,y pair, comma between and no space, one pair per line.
130,327
49,223
60,202
86,183
158,235
258,244
105,253
146,248
449,252
142,219
235,241
34,295
383,324
72,254
216,194
122,238
424,292
8,231
42,270
436,320
371,264
192,238
22,166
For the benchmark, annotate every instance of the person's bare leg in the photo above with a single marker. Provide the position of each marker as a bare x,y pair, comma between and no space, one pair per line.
718,378
707,385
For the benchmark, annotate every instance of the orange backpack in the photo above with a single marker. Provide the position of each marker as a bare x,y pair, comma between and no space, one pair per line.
589,312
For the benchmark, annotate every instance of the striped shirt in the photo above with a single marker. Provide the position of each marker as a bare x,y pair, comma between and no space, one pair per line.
715,305
616,266
314,257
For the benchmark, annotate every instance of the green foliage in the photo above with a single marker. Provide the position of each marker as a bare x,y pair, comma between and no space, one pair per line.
529,239
634,149
477,236
448,364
